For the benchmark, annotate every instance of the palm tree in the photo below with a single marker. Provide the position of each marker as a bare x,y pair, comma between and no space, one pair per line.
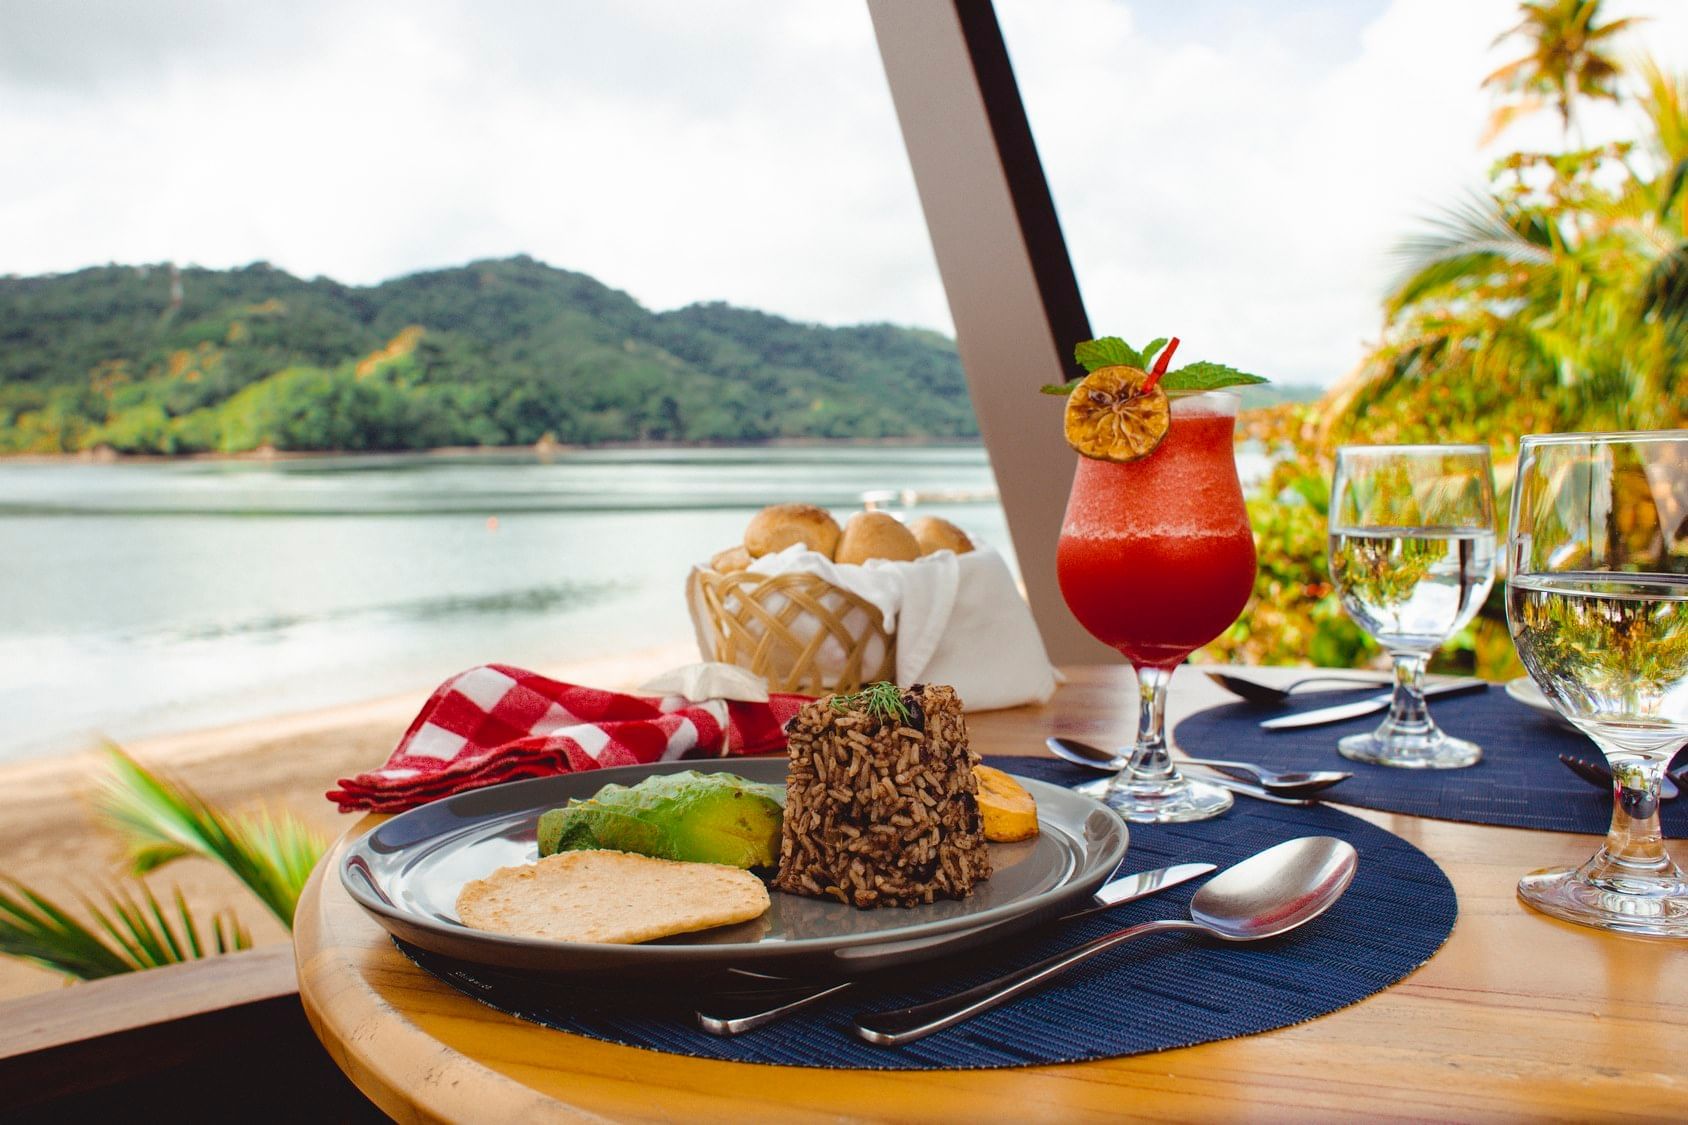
1565,61
1564,306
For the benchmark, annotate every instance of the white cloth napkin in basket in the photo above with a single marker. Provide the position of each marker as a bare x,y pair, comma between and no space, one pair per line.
958,620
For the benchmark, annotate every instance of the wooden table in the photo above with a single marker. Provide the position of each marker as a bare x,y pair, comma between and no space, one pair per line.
1519,1016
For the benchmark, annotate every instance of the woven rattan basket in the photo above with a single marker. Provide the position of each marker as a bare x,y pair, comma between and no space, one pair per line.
798,631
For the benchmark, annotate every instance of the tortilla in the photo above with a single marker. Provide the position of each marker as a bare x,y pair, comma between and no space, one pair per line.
614,897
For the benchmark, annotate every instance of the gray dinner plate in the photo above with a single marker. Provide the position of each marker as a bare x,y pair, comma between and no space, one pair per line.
408,871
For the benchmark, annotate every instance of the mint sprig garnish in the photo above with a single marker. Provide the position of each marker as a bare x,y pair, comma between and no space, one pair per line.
1149,353
1111,351
1207,377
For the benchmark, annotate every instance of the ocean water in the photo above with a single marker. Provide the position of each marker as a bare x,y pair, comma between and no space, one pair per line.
137,599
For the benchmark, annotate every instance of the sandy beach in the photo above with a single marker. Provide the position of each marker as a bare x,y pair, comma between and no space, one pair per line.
50,842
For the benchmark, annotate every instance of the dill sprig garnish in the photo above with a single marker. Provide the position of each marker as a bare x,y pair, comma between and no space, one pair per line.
882,700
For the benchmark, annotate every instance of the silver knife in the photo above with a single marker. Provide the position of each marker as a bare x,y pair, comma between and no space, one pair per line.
1343,711
1225,781
723,1019
1130,888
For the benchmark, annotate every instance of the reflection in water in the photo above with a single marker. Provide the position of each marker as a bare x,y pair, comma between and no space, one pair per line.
539,599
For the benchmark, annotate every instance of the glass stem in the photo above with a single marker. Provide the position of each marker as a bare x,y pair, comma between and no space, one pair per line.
1149,757
1634,844
1407,710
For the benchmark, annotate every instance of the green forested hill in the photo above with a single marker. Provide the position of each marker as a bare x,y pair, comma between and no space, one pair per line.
506,352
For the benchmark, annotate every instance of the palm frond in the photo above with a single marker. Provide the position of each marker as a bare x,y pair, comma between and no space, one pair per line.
1511,72
1664,105
162,821
146,858
189,928
1614,27
1664,294
1674,184
39,931
230,935
137,933
1505,114
1466,242
1523,354
1443,275
286,844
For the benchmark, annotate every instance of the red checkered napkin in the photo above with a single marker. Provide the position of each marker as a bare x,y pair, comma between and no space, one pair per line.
496,723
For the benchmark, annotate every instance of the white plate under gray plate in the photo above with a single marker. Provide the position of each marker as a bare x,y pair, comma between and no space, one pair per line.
407,873
1525,691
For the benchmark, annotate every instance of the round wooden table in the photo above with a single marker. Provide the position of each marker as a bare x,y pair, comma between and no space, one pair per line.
1518,1016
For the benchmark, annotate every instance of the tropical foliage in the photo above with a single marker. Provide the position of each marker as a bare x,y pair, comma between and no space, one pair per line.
1556,299
159,821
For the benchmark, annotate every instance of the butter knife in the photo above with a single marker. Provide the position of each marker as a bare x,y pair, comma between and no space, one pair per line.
1369,706
720,1017
1225,781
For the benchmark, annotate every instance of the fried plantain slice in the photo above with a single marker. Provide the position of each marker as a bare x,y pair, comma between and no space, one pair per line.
1008,811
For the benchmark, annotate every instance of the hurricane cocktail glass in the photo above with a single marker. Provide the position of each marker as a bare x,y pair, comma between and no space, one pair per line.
1156,559
1598,606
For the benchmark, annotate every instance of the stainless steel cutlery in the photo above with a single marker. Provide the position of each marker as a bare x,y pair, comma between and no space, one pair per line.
738,1012
1267,894
1321,716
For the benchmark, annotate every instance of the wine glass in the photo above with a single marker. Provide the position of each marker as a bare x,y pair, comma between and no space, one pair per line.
1598,607
1412,554
1156,559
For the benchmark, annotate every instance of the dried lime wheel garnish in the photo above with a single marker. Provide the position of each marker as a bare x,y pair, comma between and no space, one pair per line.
1117,414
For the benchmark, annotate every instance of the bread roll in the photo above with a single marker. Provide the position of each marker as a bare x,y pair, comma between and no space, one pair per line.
733,558
875,535
778,527
936,535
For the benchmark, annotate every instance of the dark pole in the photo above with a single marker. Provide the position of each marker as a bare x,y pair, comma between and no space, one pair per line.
1057,285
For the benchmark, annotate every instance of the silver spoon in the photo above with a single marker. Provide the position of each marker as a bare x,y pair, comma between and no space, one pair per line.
1286,783
1267,894
1256,692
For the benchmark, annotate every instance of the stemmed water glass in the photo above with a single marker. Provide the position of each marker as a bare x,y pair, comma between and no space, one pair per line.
1598,606
1412,554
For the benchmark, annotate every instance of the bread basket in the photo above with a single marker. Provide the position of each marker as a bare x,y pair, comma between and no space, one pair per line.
797,631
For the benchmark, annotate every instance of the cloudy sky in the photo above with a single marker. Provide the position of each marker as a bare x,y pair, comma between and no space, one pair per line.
1232,171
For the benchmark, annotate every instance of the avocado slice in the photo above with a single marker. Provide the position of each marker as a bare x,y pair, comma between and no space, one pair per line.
689,816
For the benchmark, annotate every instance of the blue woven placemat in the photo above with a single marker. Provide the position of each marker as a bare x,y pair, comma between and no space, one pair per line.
1151,994
1520,783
